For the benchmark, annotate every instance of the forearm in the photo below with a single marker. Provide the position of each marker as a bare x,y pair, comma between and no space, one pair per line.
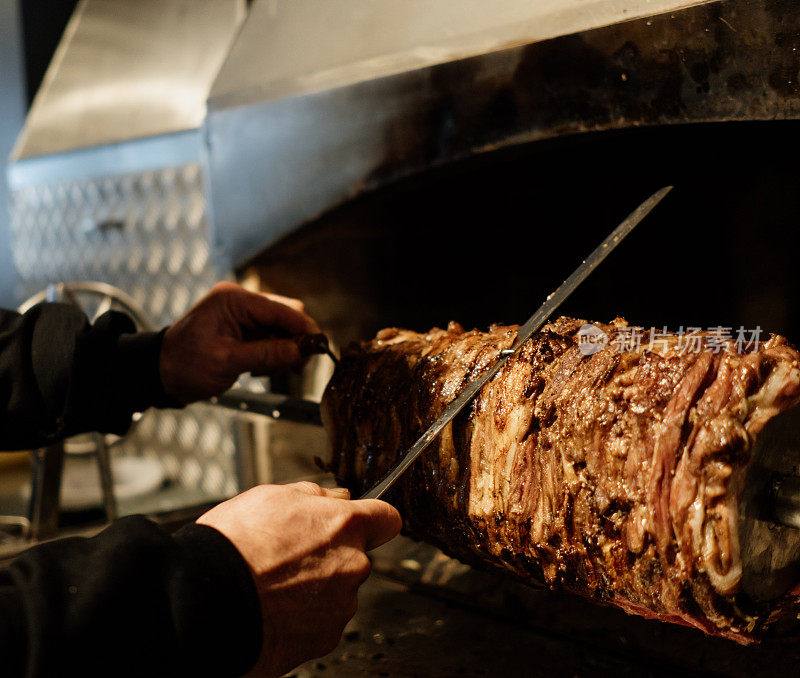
60,375
131,601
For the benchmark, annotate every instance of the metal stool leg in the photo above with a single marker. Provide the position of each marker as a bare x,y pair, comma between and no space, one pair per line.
48,466
106,478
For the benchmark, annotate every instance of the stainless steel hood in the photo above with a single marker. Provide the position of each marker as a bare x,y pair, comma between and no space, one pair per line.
318,102
128,70
125,71
292,47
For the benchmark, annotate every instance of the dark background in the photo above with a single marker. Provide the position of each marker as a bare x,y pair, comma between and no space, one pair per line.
43,23
486,240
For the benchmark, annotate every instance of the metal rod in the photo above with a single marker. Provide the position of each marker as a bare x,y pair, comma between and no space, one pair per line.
106,477
48,465
781,503
273,405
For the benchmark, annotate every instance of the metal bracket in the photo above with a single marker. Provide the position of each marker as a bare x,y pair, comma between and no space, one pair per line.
273,405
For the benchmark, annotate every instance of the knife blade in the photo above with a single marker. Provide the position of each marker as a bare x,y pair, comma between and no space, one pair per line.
533,324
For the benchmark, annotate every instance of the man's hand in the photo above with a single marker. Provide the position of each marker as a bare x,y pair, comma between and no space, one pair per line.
306,549
228,332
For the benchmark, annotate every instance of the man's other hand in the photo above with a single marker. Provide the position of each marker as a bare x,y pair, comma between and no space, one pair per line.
228,332
306,548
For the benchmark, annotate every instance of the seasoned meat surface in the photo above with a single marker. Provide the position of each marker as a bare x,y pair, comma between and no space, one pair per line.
614,475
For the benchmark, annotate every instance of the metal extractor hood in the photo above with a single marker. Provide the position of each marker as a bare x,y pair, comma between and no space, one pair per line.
318,102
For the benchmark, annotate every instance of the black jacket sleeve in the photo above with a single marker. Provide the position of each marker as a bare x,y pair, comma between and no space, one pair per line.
60,375
132,601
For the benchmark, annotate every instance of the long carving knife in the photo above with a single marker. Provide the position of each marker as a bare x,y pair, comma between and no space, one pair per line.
525,332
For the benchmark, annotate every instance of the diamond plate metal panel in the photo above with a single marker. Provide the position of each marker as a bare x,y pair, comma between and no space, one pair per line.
195,446
148,234
145,233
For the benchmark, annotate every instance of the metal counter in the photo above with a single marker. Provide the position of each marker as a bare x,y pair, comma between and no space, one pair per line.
422,614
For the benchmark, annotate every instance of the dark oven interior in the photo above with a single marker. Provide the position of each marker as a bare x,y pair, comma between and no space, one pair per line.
485,240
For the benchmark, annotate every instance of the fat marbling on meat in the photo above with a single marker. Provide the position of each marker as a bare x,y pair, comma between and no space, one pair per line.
615,475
